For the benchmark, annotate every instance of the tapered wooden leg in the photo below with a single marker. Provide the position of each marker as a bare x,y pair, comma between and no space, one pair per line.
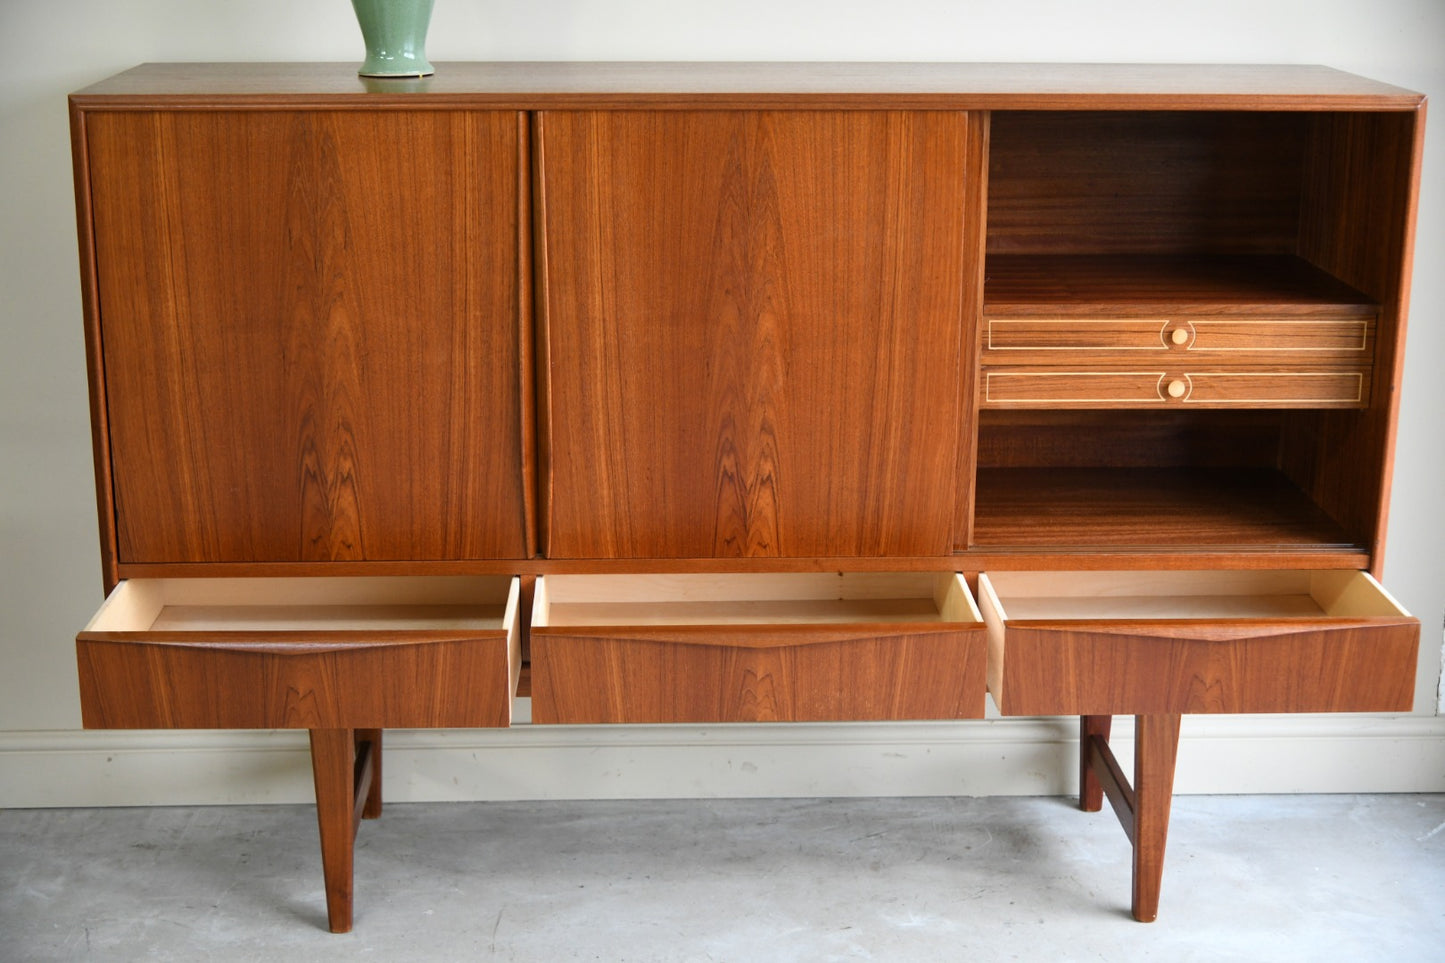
333,764
372,738
1156,747
1142,808
1091,791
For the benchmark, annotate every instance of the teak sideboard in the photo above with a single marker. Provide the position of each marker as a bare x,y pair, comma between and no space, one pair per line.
717,393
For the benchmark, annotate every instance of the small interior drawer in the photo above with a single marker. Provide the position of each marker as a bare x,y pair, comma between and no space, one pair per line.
1250,340
1043,387
367,652
1101,643
755,648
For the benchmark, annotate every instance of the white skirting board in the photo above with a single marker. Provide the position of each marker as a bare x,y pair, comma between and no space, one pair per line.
1218,754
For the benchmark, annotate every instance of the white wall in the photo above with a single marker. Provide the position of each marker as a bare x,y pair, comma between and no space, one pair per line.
49,569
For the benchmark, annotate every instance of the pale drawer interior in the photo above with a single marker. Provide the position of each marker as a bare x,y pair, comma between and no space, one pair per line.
1184,595
448,603
743,599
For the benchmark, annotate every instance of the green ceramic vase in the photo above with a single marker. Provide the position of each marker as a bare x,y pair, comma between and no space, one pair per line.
395,36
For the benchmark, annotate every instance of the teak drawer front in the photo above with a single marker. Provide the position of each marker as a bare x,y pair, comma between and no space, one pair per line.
298,653
1041,387
1104,643
698,649
1178,340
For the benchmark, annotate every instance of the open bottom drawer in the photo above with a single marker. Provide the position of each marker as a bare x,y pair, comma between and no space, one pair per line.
1101,643
755,648
406,652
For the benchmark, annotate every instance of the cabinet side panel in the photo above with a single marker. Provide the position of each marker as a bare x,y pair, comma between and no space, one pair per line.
95,368
311,333
754,332
1360,183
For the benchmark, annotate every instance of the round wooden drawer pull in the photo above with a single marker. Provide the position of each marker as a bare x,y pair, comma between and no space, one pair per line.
1177,388
1180,336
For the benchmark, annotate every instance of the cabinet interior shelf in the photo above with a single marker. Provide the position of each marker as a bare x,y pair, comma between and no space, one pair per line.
1179,509
1084,283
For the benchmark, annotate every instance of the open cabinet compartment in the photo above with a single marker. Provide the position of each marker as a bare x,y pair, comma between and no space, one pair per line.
1175,481
1189,329
322,652
755,647
1111,643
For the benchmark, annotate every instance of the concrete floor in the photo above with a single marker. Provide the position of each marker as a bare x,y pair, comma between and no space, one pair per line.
1274,878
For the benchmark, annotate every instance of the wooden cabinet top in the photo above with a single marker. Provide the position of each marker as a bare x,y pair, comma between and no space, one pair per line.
724,85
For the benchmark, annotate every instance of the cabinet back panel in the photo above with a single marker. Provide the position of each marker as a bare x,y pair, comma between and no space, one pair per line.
311,333
1128,439
754,331
1136,182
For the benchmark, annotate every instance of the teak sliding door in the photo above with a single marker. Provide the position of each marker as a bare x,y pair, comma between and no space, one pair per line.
753,331
312,333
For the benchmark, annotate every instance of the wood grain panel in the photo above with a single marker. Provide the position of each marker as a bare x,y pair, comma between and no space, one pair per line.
307,680
761,673
311,333
1207,666
1142,182
754,332
1298,388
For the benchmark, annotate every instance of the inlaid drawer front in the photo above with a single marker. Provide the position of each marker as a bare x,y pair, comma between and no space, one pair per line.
1130,340
403,652
755,648
1041,387
1101,643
